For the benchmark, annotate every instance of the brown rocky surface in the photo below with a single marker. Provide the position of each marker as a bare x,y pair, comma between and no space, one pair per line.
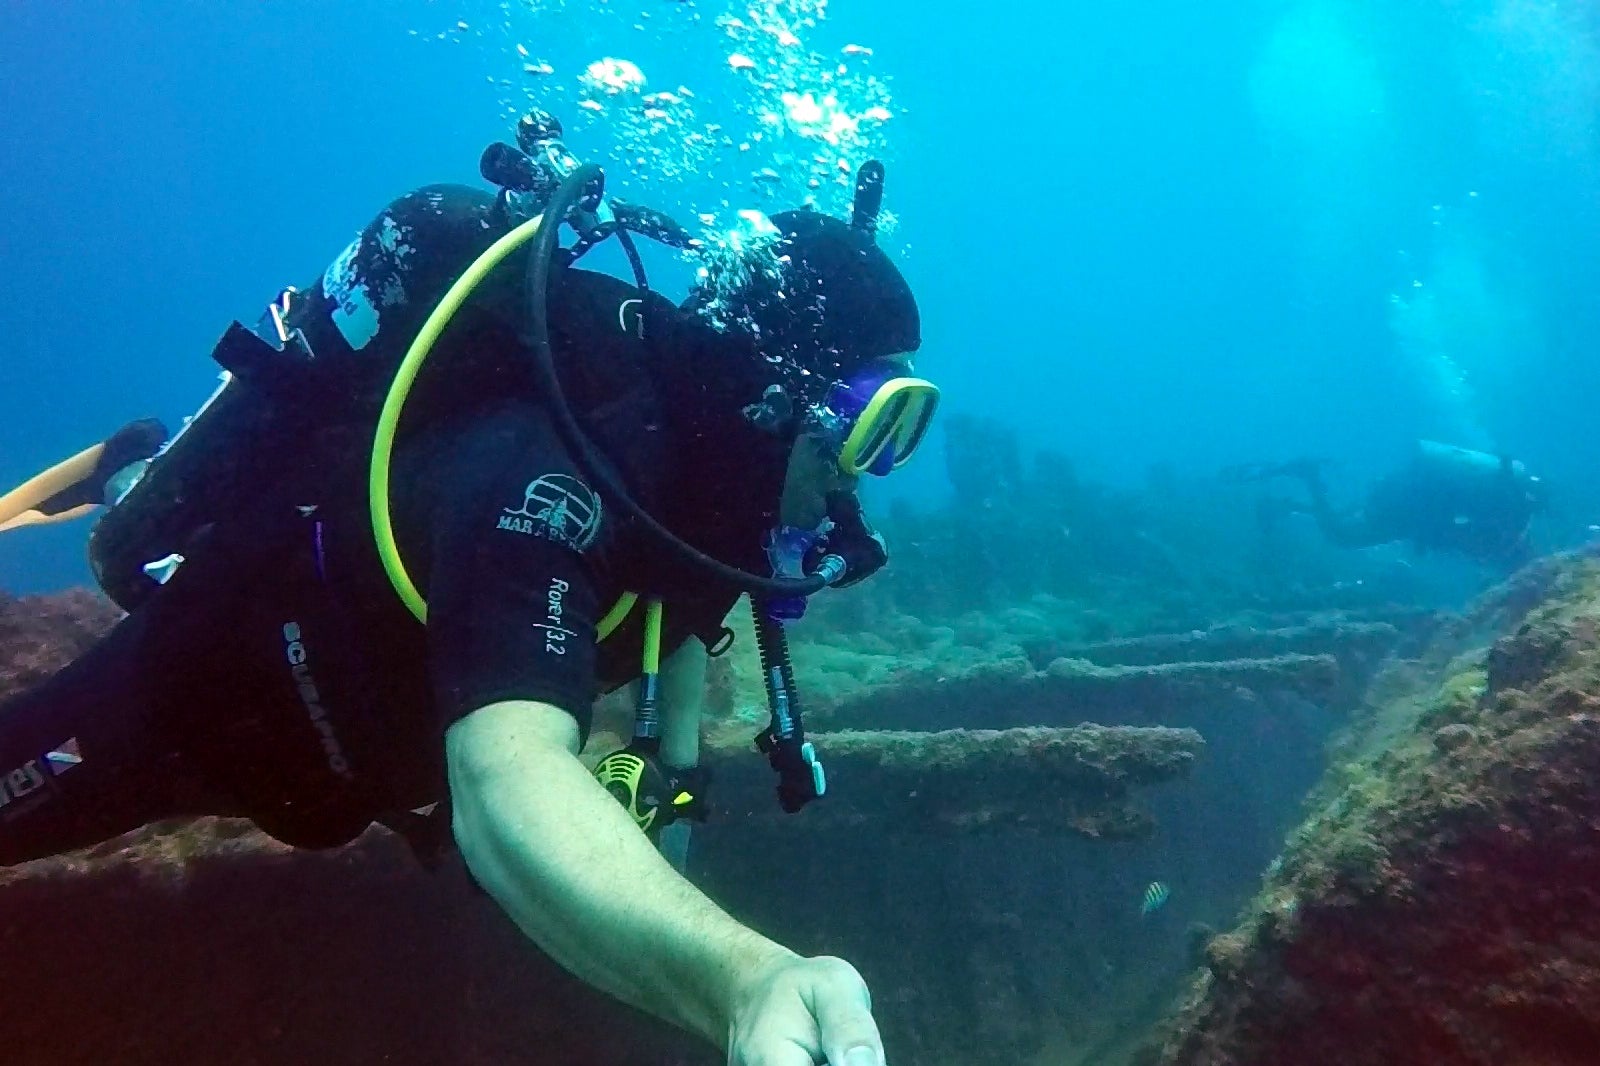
1439,905
1077,780
1011,692
40,633
207,942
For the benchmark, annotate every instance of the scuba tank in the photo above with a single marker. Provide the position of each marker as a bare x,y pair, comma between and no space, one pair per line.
1469,464
1475,474
147,532
226,458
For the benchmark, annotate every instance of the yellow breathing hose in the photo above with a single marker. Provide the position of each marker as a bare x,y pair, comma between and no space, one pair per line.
652,637
389,422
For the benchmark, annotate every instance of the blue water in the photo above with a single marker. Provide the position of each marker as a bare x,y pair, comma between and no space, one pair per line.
1159,233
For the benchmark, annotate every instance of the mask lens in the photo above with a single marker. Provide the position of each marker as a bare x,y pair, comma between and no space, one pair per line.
890,427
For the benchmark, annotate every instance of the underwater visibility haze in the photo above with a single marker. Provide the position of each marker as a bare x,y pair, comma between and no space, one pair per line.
1257,518
1185,237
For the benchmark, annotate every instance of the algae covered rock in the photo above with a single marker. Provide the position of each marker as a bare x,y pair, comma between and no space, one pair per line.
40,634
1439,905
1077,780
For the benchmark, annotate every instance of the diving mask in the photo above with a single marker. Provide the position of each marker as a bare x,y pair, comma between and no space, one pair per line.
874,421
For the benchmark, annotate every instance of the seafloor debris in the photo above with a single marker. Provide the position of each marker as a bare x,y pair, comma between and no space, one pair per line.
1010,692
1336,635
1440,905
1077,780
207,942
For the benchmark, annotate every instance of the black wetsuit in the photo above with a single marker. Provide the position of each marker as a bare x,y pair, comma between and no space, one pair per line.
278,676
1484,519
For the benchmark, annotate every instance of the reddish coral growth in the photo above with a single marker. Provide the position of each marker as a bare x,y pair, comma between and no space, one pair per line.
41,634
207,942
1445,908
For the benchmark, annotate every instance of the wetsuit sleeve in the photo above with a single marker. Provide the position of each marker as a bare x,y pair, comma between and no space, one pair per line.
513,604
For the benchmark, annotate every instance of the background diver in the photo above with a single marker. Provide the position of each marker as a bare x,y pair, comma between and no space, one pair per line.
571,482
77,486
1444,499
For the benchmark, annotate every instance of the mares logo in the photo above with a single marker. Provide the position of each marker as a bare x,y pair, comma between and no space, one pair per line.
556,507
295,651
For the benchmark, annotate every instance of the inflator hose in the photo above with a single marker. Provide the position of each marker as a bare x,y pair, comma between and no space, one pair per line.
777,669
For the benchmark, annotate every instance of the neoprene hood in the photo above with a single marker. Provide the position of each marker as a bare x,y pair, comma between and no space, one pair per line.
843,302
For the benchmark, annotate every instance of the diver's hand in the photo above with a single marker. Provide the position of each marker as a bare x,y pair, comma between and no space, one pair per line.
799,1012
852,539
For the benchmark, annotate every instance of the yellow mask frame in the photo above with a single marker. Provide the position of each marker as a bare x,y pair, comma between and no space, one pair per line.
893,422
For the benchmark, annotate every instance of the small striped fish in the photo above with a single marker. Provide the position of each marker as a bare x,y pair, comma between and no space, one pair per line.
1155,897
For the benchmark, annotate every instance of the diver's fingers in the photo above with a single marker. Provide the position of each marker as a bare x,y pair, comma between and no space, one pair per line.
785,1055
843,1009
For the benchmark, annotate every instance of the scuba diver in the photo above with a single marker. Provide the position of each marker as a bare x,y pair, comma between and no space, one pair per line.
1445,499
446,495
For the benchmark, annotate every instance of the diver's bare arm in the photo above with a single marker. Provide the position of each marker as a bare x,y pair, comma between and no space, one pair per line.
552,847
